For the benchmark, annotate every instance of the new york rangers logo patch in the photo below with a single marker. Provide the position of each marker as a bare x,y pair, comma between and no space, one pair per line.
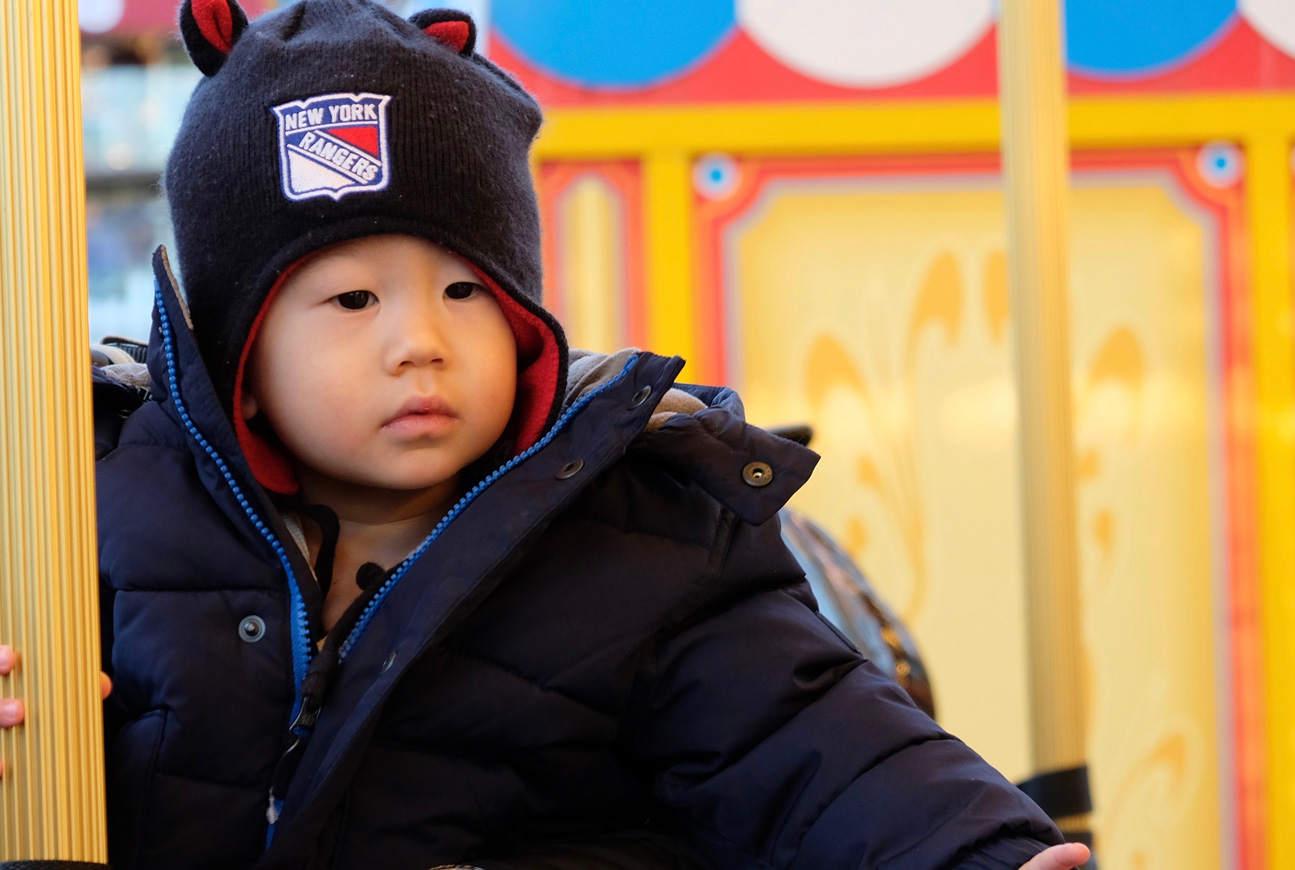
333,145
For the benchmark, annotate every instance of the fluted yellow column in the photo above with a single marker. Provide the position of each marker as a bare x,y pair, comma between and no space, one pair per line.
1035,166
51,796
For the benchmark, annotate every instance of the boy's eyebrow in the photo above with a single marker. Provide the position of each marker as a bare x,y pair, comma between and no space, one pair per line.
340,249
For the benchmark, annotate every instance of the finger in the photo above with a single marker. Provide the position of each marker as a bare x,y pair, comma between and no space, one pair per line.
11,712
105,686
1063,857
8,660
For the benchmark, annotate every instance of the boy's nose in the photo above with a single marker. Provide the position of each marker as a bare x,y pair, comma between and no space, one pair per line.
417,340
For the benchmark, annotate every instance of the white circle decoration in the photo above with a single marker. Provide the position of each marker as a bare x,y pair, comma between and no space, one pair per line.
1275,19
1219,163
715,176
100,16
866,43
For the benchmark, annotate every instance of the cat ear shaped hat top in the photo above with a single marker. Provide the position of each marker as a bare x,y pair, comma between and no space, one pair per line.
328,120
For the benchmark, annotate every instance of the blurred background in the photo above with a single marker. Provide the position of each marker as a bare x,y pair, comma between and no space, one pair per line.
804,200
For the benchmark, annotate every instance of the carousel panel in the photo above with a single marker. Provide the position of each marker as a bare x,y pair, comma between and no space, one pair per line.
869,298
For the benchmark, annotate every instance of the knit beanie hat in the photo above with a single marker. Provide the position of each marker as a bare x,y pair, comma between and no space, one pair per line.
328,120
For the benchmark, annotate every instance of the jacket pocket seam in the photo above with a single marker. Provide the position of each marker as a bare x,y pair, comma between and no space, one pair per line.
148,782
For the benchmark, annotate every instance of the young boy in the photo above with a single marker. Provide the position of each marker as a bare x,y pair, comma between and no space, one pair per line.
392,580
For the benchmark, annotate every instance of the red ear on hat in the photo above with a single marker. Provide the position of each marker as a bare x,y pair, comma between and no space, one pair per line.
209,29
449,26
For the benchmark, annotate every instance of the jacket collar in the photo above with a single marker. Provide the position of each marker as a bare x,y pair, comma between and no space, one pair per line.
185,391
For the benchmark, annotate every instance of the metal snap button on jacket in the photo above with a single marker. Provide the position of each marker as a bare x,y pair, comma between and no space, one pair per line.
570,469
757,474
640,397
251,629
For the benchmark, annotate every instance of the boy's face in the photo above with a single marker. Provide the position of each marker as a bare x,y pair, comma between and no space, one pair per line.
383,363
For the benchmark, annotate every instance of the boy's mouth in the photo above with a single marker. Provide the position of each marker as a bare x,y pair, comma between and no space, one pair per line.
429,415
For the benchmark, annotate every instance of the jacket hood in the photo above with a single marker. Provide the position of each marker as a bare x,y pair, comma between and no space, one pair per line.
184,388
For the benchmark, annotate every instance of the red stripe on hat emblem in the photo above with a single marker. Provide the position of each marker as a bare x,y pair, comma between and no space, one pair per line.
365,137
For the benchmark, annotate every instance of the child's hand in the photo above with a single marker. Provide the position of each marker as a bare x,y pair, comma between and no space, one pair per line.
11,709
1063,857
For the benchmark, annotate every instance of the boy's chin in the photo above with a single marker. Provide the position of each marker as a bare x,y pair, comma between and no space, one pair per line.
399,484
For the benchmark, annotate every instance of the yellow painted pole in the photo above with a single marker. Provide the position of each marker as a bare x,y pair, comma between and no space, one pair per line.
52,793
1035,167
1268,198
668,246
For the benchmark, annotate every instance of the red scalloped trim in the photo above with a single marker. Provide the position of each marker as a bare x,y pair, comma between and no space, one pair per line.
216,22
538,361
268,461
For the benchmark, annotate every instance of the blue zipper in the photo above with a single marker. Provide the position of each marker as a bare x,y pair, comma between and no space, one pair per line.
300,629
366,615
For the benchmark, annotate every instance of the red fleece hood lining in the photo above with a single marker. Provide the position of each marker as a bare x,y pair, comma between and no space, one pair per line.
538,361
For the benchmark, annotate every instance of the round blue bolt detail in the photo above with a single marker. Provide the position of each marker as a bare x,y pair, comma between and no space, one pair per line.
716,176
1220,164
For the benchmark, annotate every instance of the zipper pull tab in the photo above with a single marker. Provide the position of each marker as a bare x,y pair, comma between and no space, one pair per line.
301,729
304,725
313,688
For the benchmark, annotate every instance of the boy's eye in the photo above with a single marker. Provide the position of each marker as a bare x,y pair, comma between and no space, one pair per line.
355,299
462,289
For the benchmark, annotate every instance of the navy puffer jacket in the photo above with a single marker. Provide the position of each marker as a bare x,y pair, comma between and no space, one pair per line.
603,658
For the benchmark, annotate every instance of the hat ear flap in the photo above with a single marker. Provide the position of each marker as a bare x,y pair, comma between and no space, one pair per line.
210,28
450,26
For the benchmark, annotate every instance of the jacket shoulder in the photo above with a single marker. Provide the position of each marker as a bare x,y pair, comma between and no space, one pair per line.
116,394
641,494
679,530
748,470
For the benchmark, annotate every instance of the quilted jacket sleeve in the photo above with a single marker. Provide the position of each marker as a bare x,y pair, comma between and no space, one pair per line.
773,744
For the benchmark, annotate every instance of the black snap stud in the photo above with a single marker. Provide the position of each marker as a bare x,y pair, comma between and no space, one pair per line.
390,660
251,629
640,397
571,469
757,474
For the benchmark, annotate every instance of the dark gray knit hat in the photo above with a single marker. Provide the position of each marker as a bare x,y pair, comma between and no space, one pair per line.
328,120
